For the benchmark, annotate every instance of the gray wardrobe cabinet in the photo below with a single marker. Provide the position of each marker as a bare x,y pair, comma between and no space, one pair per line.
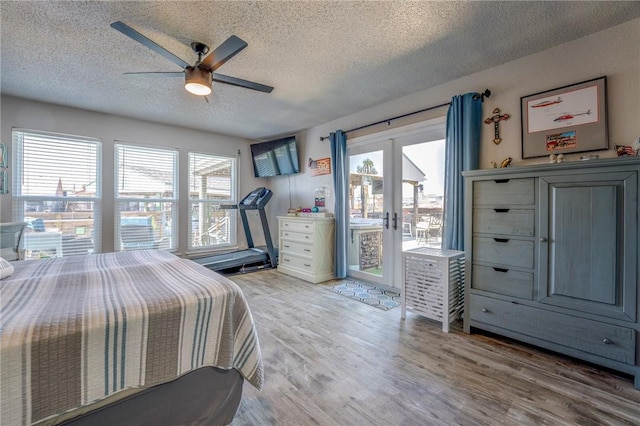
552,258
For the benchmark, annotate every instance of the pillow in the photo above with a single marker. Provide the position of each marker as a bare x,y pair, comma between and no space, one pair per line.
6,269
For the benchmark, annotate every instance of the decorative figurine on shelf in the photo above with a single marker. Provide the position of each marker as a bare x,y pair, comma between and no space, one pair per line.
495,119
495,165
560,158
553,158
506,162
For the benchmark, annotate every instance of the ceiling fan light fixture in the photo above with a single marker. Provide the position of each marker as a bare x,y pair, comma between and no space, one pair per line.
197,81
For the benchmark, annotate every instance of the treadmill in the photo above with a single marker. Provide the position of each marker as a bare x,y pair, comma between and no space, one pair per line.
252,257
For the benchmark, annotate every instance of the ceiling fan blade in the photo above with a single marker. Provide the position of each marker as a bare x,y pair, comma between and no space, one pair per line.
219,78
156,74
227,50
130,32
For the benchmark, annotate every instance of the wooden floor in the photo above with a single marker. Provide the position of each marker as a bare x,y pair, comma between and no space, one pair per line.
333,361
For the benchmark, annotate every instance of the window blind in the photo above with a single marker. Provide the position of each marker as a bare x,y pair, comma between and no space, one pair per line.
57,191
212,183
146,197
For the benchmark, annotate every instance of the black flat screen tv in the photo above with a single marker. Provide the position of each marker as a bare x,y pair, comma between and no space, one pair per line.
276,157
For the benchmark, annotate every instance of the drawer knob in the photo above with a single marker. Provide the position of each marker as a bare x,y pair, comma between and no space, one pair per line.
606,341
543,240
485,310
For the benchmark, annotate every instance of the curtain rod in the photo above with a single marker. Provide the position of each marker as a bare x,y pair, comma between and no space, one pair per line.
481,96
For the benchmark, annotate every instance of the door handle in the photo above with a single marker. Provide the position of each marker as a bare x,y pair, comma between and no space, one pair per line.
386,220
395,220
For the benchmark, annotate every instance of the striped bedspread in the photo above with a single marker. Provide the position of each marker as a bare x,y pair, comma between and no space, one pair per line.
76,330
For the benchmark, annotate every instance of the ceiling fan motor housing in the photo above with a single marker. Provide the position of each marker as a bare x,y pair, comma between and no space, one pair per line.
197,81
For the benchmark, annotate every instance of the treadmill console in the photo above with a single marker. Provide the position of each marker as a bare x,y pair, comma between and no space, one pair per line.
257,198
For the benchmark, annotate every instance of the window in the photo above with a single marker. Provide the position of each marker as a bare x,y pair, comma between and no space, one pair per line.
57,191
146,197
212,184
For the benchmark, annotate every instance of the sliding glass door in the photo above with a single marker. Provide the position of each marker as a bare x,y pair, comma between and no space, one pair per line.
395,197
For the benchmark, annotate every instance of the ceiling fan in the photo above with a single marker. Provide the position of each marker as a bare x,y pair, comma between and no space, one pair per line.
199,76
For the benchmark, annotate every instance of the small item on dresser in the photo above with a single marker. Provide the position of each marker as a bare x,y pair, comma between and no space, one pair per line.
553,158
495,165
589,157
560,158
624,150
506,162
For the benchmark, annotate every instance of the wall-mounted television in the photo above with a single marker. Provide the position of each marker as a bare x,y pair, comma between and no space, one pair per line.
276,157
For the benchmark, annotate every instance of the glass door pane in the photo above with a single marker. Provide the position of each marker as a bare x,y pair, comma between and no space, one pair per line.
422,194
365,254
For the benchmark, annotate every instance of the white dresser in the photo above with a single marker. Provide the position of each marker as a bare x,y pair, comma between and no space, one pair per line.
306,246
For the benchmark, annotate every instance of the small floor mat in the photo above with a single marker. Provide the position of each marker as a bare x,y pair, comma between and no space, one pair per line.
367,293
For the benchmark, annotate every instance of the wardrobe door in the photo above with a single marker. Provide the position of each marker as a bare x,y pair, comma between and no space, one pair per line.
587,243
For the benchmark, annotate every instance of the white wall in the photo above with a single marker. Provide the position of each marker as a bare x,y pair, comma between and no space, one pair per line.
22,113
614,52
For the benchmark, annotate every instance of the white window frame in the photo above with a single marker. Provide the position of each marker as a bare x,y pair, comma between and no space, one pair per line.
233,200
19,199
172,245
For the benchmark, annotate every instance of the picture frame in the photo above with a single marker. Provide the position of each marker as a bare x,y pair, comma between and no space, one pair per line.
568,119
4,183
3,156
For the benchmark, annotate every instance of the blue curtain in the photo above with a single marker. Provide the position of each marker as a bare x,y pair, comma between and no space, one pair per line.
340,179
462,152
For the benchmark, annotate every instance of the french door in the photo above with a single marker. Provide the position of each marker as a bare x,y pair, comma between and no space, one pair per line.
388,173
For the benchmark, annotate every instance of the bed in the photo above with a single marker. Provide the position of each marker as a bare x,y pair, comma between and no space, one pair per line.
140,337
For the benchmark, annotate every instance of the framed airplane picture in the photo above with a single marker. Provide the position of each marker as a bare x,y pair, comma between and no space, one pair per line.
564,120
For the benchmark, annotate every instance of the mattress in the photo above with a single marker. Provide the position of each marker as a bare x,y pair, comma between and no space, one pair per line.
77,330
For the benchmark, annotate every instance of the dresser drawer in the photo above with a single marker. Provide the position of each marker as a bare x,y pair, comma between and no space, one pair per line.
290,261
503,251
594,337
297,226
504,191
502,281
299,236
296,247
504,221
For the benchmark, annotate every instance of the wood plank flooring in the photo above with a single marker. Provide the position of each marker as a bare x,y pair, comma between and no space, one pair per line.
333,361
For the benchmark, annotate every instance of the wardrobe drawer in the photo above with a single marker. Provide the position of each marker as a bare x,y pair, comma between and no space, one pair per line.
296,247
297,226
296,262
504,191
502,280
594,337
504,251
504,221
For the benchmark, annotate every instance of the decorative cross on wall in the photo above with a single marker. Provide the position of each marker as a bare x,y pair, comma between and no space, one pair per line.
495,119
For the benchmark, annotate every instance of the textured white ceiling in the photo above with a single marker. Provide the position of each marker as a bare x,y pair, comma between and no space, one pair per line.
326,59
